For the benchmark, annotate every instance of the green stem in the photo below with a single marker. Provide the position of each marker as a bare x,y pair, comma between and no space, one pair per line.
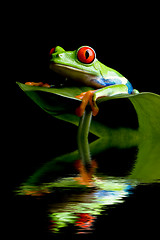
82,138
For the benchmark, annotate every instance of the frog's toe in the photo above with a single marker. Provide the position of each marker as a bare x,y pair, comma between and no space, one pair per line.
81,95
80,110
46,85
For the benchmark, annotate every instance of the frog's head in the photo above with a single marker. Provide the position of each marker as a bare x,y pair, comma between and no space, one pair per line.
80,65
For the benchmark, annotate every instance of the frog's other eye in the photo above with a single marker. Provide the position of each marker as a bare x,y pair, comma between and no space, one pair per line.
86,55
52,51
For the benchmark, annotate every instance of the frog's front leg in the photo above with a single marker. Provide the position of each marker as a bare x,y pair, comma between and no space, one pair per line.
38,84
87,97
91,97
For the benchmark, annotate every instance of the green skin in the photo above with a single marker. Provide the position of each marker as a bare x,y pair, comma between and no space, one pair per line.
67,64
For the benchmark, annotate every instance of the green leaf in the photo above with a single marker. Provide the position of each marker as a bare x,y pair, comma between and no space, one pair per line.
61,103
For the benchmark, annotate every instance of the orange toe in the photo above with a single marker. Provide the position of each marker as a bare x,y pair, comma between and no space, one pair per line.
81,95
46,85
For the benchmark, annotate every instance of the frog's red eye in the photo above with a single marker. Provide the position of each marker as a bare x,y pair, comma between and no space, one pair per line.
86,55
52,51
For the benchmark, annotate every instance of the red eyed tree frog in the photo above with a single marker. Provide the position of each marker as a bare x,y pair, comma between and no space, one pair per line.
82,65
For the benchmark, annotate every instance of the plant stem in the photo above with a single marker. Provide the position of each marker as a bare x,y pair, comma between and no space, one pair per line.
82,138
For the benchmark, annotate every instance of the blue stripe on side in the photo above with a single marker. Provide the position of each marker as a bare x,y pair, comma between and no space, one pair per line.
108,82
130,88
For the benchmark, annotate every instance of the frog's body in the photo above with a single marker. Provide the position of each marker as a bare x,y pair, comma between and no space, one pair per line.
94,74
82,65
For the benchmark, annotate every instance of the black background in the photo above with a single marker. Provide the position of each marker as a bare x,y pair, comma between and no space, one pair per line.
124,38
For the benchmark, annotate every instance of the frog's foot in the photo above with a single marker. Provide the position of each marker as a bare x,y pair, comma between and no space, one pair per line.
135,91
87,97
38,84
85,177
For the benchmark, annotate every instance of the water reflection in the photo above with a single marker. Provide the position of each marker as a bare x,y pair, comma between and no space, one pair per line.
82,209
81,205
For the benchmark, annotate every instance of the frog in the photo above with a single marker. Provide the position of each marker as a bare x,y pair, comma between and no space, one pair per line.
82,65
